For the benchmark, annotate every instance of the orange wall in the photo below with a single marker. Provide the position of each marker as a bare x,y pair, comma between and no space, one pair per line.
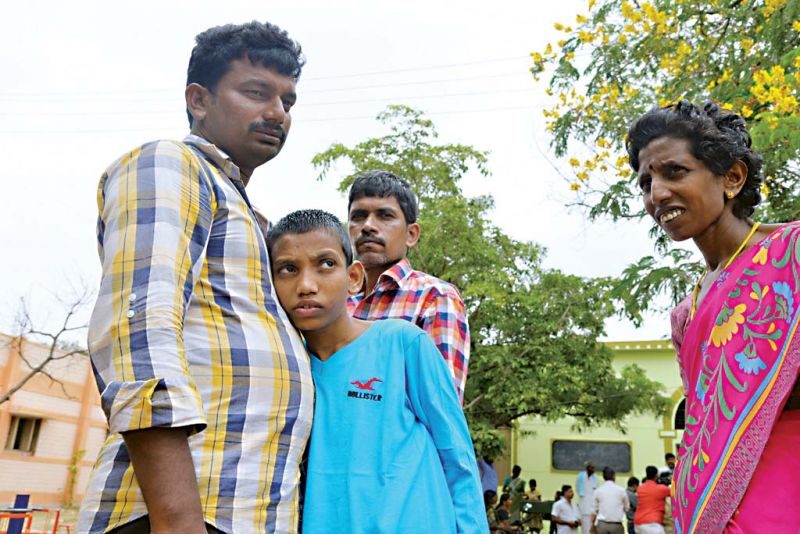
72,425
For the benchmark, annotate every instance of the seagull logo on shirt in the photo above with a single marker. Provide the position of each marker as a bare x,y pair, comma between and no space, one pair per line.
364,389
366,385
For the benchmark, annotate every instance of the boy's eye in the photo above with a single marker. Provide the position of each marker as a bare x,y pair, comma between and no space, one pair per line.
286,269
328,263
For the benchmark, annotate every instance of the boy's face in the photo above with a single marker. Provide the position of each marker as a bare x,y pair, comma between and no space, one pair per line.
312,279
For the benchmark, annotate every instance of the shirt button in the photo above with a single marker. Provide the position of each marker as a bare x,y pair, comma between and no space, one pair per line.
132,297
131,313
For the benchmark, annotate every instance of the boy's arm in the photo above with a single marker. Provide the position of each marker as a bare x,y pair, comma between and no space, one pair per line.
434,401
164,469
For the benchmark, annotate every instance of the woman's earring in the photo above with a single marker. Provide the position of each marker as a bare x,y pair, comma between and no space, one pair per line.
730,194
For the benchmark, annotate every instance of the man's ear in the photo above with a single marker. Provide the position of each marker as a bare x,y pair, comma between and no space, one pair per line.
412,234
736,177
356,277
197,100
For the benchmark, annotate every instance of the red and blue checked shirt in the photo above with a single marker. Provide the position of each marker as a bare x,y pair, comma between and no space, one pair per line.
428,302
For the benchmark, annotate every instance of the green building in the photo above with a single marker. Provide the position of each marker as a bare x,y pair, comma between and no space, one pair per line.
554,453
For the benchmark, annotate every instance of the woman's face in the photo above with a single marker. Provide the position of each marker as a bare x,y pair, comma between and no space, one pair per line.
680,193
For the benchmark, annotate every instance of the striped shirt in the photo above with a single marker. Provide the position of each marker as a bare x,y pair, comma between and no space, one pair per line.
187,332
430,303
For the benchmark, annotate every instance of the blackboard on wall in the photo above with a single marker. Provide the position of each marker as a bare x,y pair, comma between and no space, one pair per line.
570,455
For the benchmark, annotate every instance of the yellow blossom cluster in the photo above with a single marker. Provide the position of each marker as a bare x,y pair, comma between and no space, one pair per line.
771,6
647,18
776,91
675,63
541,59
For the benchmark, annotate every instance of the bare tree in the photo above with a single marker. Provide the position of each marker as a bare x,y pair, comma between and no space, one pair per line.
58,346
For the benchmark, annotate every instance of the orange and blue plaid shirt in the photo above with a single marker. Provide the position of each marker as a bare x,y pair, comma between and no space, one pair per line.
187,332
430,303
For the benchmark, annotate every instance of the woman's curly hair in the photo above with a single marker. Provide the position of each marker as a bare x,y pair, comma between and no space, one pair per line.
718,138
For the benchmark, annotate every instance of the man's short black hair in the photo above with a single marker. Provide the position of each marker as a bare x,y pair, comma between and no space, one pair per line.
381,183
608,473
669,456
633,481
261,43
651,472
305,221
565,488
516,470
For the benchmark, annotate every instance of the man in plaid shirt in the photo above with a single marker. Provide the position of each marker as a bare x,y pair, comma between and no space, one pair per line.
382,221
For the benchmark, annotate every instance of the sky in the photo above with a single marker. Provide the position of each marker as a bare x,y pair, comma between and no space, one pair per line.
85,82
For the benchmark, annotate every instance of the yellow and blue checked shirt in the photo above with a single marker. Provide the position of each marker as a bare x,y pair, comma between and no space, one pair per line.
187,332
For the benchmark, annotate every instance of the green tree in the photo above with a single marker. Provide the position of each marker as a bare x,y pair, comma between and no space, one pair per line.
534,331
623,57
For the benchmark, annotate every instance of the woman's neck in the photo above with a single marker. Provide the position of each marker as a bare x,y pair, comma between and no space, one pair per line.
719,242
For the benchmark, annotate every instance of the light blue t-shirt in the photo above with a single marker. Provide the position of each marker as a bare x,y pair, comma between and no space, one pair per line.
390,450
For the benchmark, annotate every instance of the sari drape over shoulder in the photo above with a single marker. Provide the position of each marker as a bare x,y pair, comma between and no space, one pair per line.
739,357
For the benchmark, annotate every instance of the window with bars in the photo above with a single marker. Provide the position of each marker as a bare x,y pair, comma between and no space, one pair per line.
23,433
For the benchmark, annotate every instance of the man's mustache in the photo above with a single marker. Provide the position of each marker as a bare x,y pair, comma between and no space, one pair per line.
369,239
274,127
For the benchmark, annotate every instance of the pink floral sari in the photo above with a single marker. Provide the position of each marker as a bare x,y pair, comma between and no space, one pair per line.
739,359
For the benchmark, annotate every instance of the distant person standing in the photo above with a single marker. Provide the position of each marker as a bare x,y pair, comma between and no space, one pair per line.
633,485
585,485
665,473
565,514
652,496
488,473
516,491
533,495
610,505
553,524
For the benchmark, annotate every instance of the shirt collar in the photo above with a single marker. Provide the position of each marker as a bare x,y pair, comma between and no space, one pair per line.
217,155
397,272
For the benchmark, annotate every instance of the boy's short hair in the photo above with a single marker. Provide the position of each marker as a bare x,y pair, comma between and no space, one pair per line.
305,221
380,183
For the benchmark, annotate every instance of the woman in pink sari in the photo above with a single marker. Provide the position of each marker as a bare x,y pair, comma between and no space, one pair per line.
737,334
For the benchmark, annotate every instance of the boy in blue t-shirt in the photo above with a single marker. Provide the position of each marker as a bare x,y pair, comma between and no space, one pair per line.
390,450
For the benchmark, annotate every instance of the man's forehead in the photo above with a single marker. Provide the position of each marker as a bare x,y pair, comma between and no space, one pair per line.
375,203
245,69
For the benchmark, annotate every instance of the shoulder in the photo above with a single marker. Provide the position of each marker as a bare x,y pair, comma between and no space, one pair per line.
155,155
398,327
409,334
433,285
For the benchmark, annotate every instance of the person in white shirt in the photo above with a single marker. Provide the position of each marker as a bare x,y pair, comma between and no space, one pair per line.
610,504
565,514
585,485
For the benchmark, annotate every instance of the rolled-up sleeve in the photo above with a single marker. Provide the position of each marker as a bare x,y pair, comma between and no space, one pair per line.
155,212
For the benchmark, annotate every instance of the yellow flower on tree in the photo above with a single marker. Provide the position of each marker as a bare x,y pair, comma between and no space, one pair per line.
727,324
574,186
